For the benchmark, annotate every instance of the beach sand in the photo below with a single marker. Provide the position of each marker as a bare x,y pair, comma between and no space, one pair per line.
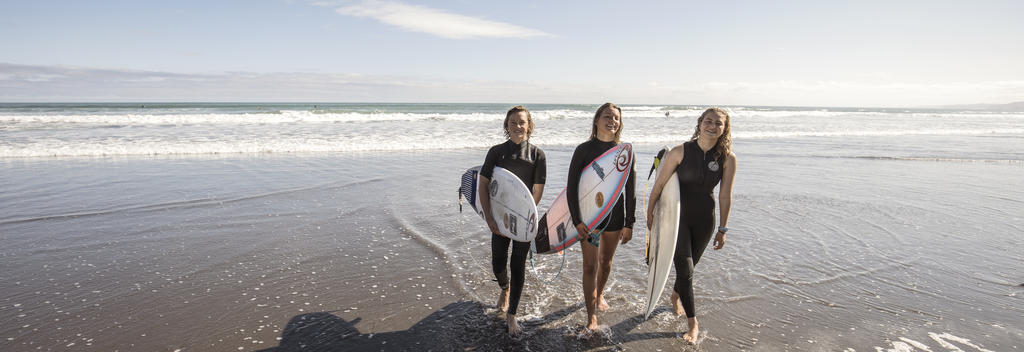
368,251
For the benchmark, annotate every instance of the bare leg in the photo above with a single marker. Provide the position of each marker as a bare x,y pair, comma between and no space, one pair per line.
609,242
590,268
513,326
503,301
691,335
677,305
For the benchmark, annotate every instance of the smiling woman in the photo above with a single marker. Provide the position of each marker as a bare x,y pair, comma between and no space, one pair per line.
700,165
527,162
599,242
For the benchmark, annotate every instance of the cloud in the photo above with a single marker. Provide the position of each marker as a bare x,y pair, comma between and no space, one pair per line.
33,83
437,22
860,93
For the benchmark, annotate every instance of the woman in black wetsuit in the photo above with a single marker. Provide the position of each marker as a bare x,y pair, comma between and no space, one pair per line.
700,165
527,162
618,226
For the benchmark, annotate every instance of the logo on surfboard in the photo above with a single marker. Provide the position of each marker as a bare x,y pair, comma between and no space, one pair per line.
622,159
510,223
598,169
494,188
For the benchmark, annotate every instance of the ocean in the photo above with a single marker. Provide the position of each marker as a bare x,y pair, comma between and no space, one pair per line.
183,129
323,226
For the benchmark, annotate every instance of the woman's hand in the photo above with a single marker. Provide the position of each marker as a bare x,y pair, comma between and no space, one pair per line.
581,232
650,217
491,224
627,234
719,240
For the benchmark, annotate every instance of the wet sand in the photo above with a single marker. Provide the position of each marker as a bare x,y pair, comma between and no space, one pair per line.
343,252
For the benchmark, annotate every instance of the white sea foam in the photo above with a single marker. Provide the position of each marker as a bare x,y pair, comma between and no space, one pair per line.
282,117
194,131
872,133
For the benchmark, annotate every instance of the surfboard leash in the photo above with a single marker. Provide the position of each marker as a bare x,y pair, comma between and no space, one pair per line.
533,267
460,198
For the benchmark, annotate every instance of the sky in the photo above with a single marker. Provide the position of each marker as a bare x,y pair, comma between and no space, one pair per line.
782,53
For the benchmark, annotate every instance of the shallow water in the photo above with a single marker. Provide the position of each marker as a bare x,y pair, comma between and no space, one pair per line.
859,243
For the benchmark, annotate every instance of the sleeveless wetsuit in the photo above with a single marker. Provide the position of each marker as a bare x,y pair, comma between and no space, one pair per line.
698,174
624,209
528,163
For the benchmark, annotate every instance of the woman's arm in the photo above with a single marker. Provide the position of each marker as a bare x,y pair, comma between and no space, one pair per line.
538,191
572,194
725,198
630,213
484,187
540,175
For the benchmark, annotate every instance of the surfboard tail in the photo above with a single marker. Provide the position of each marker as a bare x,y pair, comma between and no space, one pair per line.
468,188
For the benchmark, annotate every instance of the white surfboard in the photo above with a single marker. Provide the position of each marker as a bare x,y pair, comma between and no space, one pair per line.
601,183
662,242
512,203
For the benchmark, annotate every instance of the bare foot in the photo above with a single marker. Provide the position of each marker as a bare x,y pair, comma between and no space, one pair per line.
677,305
503,301
601,304
513,326
592,322
691,336
586,334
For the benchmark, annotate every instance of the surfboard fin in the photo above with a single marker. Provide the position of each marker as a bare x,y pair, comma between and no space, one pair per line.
657,161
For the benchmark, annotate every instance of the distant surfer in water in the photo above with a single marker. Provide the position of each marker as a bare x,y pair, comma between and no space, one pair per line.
599,246
700,165
527,162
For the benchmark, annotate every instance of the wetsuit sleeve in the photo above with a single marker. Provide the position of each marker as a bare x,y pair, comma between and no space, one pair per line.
630,217
572,185
540,171
490,161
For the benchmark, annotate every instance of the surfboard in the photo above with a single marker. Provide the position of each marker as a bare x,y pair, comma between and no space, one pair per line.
661,245
600,184
512,203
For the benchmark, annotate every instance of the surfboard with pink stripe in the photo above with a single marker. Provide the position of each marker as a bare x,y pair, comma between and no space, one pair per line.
601,183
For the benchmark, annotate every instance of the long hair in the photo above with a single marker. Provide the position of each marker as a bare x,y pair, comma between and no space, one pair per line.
724,144
597,115
529,120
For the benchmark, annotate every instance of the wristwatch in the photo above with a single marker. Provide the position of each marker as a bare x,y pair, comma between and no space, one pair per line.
723,229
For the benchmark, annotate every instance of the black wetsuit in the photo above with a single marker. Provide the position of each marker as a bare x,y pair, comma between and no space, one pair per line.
624,210
698,174
528,163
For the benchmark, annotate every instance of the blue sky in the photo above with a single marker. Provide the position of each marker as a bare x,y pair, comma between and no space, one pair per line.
808,53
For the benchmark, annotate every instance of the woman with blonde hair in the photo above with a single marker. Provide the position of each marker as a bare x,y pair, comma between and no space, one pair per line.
700,164
599,248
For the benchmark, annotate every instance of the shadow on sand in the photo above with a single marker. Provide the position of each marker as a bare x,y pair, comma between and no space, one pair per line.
463,326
